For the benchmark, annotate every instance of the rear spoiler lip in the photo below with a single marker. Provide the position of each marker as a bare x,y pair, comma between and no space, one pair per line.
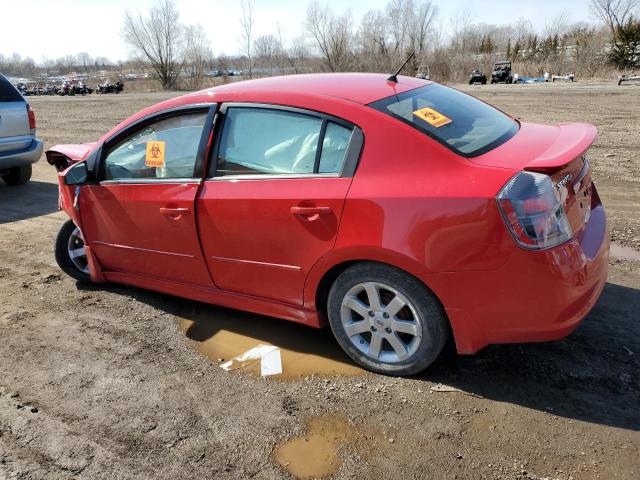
572,142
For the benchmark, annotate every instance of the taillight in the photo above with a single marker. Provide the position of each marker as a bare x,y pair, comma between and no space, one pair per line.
32,119
533,211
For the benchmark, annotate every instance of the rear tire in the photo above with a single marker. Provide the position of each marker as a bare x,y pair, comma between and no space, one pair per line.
18,175
386,320
68,249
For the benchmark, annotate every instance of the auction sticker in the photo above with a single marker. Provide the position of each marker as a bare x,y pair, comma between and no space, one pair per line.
155,155
432,117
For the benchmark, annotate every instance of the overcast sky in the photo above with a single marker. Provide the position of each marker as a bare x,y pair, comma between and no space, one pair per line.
54,28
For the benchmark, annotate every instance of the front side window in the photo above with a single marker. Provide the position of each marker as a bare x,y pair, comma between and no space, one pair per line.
263,141
464,124
165,149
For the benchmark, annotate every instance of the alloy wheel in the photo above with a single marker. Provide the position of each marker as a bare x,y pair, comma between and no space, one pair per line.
381,322
77,252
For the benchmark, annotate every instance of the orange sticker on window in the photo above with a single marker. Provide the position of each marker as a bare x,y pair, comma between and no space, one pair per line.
155,155
432,117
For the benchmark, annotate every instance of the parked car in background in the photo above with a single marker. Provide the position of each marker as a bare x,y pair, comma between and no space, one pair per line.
19,147
398,211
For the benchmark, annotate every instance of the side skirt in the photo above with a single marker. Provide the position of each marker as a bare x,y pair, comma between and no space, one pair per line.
215,296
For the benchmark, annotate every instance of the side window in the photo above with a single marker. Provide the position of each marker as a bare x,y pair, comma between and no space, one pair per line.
334,148
164,149
263,141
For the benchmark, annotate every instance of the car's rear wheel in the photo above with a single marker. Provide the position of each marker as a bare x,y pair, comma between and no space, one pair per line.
386,320
18,175
70,252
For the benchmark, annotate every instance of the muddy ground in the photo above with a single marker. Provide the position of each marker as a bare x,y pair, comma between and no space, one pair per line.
113,382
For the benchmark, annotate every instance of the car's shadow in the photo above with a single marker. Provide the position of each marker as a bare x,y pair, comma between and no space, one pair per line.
593,375
27,201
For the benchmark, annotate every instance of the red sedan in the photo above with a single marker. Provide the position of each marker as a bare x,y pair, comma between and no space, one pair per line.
400,212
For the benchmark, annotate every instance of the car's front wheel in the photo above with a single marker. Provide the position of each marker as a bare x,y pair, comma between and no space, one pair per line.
70,253
18,175
386,320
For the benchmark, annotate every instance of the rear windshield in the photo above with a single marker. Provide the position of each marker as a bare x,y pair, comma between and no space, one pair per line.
8,93
462,123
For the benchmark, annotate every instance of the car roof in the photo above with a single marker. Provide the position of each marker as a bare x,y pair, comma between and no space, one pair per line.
362,88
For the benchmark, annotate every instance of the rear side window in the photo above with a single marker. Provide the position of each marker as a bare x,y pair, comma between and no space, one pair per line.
8,93
262,141
462,123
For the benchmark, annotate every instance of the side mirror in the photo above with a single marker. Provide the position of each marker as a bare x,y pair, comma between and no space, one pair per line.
76,174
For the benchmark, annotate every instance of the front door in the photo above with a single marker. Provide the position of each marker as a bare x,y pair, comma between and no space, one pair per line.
140,217
272,204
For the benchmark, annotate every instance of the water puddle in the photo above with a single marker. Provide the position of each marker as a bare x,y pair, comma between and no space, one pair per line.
315,455
620,252
223,334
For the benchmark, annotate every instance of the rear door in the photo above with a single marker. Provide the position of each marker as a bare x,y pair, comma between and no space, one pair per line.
14,120
273,199
140,217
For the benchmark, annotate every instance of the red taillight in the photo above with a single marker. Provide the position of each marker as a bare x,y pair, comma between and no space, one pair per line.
32,119
533,212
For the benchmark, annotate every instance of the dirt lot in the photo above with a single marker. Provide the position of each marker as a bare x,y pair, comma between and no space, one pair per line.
102,382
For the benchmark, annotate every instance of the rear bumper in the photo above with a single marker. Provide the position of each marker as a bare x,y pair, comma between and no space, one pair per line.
535,296
22,158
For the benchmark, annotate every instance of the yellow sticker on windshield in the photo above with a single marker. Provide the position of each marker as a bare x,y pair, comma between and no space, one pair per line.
155,155
432,117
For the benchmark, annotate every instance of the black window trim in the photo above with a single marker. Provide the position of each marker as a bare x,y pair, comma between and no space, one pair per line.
352,155
101,153
487,148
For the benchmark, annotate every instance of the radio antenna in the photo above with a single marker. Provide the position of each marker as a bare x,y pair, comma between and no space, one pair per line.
394,78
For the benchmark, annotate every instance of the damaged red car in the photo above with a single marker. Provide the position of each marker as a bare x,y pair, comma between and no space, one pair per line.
402,213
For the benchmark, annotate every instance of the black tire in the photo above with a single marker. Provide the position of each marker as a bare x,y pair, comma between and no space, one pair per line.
62,253
433,324
18,175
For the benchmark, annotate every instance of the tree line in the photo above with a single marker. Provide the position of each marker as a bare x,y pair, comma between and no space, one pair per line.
332,40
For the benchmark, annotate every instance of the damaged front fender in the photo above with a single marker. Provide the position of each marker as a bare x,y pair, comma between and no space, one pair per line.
69,202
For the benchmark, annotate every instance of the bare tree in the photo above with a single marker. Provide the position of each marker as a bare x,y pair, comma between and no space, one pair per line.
197,56
614,13
266,49
157,39
281,52
246,23
298,55
84,60
461,23
332,34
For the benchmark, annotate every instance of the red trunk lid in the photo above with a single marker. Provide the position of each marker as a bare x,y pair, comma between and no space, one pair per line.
558,151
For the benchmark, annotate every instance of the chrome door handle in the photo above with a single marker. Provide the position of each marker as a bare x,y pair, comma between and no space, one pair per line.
174,213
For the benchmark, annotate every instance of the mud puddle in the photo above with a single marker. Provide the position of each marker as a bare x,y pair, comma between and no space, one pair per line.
223,334
620,252
315,455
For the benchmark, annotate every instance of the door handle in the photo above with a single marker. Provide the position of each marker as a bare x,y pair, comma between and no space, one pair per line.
310,213
174,213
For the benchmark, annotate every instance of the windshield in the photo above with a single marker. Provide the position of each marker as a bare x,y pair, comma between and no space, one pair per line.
462,123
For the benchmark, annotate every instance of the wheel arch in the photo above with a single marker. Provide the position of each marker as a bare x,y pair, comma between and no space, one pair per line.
328,268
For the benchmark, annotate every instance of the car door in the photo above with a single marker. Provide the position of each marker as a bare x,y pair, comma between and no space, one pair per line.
139,216
272,202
